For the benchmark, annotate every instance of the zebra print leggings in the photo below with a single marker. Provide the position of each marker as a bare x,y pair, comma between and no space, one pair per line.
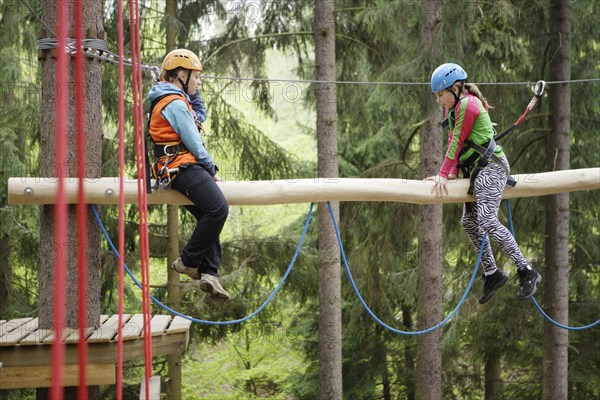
481,217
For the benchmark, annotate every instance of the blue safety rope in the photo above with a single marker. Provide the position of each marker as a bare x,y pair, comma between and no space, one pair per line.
201,321
366,307
535,303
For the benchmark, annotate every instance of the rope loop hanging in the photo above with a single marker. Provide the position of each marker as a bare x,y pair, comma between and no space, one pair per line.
201,321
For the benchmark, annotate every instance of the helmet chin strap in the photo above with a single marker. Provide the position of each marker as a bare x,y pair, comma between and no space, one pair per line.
457,96
187,81
456,99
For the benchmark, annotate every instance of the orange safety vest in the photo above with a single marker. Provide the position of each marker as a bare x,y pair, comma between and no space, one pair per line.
163,134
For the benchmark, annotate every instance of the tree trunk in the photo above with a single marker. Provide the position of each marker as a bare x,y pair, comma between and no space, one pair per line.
408,375
93,125
330,316
493,379
5,273
556,288
173,281
429,302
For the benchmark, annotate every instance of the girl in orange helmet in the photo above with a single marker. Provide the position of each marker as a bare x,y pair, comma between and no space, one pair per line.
179,149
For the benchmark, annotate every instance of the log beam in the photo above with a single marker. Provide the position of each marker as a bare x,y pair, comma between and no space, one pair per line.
106,190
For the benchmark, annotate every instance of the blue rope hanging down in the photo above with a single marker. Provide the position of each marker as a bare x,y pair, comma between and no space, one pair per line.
535,303
351,279
380,322
201,321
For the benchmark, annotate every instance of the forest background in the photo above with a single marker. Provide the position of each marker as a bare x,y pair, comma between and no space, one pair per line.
261,130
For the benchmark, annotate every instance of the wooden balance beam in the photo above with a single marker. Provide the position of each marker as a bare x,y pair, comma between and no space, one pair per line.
26,350
106,190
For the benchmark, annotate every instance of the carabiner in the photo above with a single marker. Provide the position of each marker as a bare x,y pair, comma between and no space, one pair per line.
155,72
171,150
539,88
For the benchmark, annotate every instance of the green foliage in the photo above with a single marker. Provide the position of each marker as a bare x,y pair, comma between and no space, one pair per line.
253,363
255,133
19,148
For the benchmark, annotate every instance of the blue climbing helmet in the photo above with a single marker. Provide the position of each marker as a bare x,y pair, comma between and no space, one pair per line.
445,75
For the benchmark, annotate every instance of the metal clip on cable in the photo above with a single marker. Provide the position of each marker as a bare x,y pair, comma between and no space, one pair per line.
155,72
539,88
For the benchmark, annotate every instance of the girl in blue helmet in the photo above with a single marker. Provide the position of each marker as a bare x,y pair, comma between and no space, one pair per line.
471,148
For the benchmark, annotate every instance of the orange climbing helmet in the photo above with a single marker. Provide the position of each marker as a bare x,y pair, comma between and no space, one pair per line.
181,58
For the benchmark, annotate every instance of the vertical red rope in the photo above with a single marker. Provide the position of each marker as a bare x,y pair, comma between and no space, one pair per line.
142,198
121,198
60,208
82,231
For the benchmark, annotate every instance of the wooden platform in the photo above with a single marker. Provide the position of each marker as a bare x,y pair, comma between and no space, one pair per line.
26,351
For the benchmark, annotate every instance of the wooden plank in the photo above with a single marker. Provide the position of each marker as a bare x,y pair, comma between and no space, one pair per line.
153,388
108,330
40,376
98,353
134,327
106,190
13,324
35,337
13,337
64,334
38,336
159,324
74,336
179,324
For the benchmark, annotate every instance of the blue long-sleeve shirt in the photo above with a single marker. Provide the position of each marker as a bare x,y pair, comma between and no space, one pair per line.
181,119
198,106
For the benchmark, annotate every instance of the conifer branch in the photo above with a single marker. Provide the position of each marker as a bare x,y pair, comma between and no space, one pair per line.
272,35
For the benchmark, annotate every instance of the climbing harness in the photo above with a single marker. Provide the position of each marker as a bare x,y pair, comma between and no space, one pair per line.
481,157
484,153
164,153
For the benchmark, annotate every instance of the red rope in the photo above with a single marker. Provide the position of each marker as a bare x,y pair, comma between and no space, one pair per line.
82,231
121,199
142,196
60,208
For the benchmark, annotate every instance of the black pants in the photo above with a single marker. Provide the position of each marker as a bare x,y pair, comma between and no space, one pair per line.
203,250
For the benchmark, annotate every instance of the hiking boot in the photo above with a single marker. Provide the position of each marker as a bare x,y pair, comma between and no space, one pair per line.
493,282
210,284
180,267
528,280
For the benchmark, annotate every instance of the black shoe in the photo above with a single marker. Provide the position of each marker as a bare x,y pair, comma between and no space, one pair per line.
492,283
528,280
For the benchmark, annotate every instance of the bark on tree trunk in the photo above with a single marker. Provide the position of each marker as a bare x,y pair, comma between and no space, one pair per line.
173,285
408,376
330,318
93,125
493,379
429,302
556,287
5,273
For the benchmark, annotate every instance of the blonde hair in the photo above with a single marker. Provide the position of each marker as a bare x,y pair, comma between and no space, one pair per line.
474,90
